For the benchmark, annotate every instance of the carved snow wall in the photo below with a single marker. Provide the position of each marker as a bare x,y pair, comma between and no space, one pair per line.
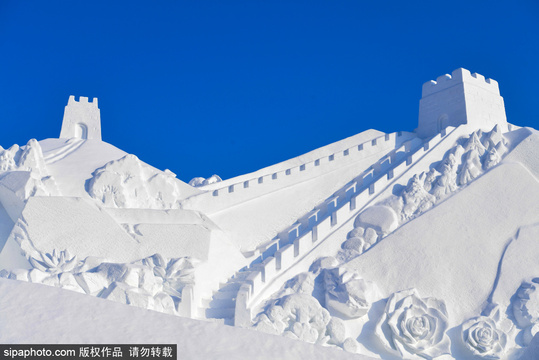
82,119
460,98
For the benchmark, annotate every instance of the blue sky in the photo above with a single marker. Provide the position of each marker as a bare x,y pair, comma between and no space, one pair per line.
227,87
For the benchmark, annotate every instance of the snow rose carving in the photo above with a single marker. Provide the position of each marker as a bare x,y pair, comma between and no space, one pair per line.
412,326
483,337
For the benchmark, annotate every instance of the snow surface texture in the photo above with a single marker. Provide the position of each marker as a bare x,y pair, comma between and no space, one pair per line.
40,314
386,246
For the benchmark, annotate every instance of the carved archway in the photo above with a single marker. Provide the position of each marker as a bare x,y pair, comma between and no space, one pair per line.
81,131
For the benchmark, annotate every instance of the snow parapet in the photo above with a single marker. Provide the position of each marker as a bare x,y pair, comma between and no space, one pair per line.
464,162
129,183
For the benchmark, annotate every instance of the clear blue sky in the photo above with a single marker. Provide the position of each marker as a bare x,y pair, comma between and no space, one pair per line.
227,87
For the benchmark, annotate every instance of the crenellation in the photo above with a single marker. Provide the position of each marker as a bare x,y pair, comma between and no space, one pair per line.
478,76
82,119
457,77
443,78
317,225
460,98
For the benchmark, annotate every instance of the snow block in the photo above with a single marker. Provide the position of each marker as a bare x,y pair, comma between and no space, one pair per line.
77,225
255,280
302,244
269,268
186,308
323,228
285,256
342,214
242,313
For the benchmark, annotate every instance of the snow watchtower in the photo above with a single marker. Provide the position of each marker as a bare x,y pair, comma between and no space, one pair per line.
460,98
82,119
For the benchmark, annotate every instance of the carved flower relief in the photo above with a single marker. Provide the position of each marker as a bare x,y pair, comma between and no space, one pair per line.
347,294
483,337
412,326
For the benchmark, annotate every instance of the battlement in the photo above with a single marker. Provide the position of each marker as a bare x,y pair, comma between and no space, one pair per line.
82,100
460,76
82,119
460,98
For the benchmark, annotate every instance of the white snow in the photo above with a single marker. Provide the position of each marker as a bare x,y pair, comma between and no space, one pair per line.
41,314
383,245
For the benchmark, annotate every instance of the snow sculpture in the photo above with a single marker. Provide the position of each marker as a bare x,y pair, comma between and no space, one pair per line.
175,273
493,159
129,183
152,283
480,150
23,172
484,336
460,98
82,119
358,240
471,168
526,309
416,198
382,219
326,262
473,143
55,263
411,326
300,317
347,294
447,182
7,158
200,181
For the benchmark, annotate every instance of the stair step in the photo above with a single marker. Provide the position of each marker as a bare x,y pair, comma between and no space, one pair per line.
206,303
224,295
222,303
240,276
220,313
231,287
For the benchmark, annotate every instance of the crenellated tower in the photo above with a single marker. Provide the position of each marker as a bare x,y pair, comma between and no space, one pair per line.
82,119
460,98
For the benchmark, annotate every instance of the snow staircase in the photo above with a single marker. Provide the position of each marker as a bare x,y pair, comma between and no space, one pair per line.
291,252
223,302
